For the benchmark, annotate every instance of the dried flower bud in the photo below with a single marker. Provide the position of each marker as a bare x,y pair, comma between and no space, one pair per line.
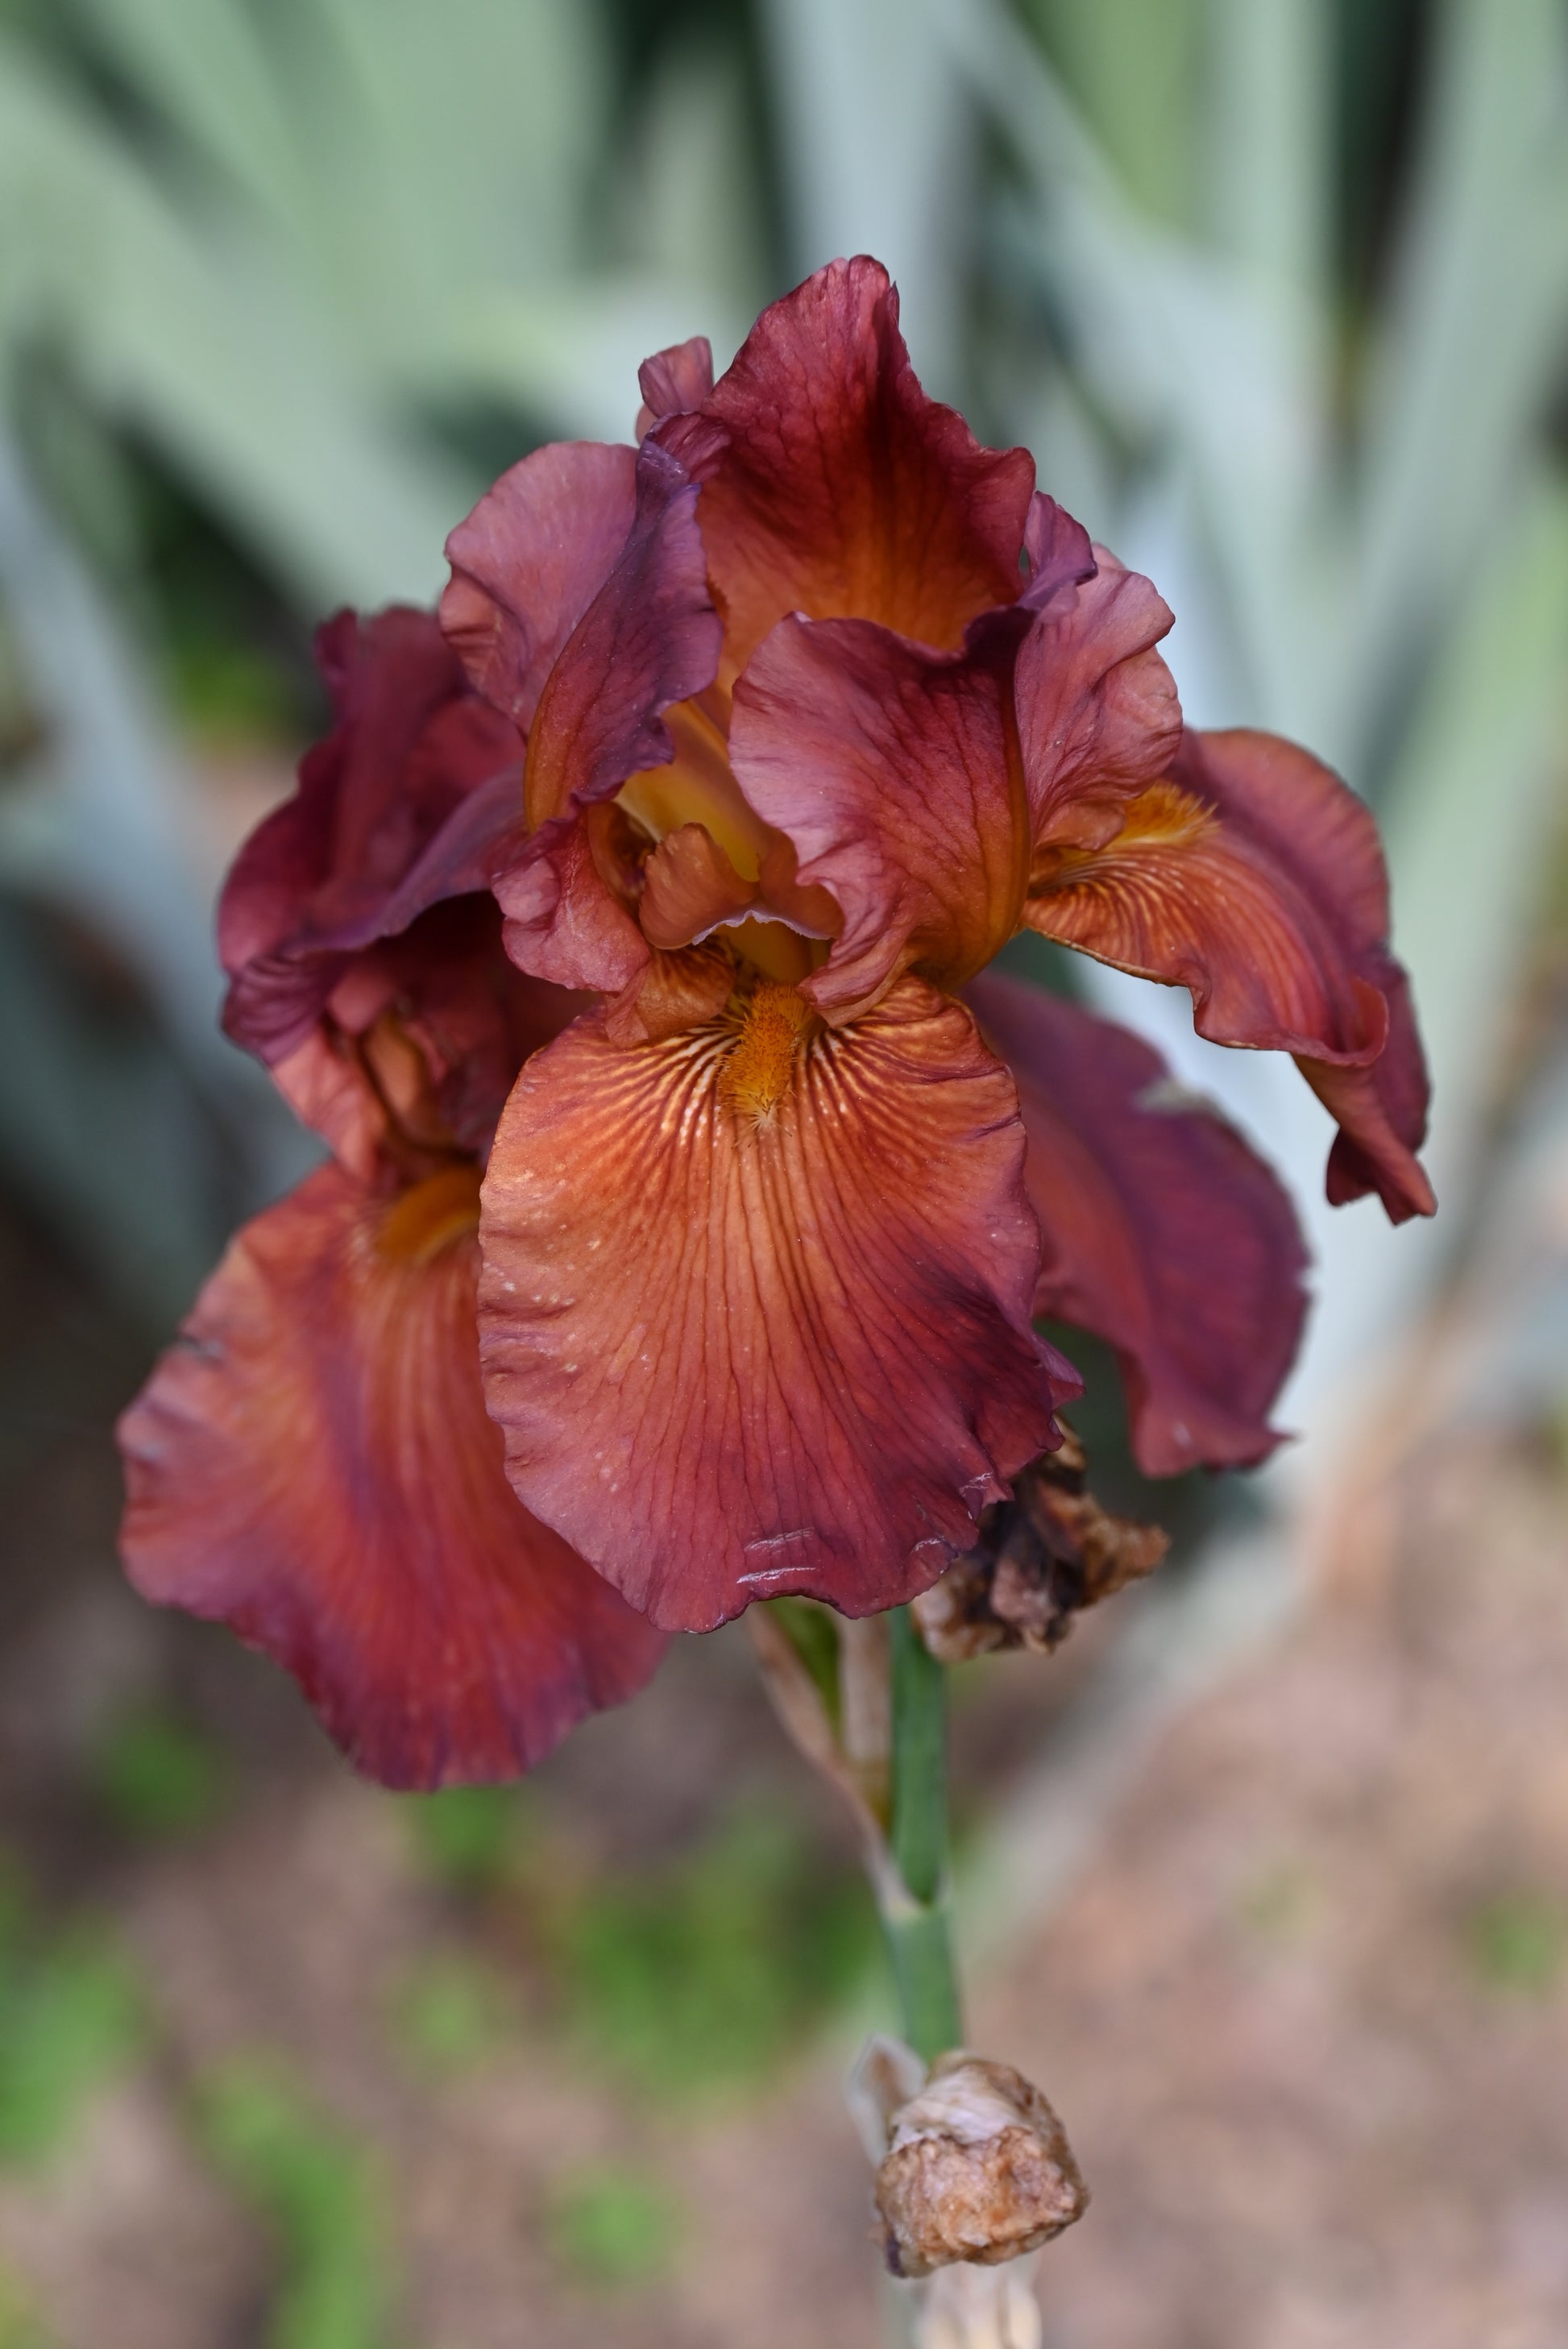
978,2167
1041,1557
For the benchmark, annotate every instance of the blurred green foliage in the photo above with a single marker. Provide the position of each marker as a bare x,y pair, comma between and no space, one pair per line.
20,2327
71,2018
612,2226
450,2013
315,2187
470,1836
157,1775
700,1975
1518,1943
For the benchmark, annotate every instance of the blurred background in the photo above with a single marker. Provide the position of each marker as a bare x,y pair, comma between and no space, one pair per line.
1266,1877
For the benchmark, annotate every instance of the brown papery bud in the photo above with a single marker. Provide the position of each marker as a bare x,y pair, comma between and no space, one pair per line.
977,2168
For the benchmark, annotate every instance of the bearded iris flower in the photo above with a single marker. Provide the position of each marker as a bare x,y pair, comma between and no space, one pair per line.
817,704
848,707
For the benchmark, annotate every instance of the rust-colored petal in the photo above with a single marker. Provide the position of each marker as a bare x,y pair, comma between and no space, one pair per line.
312,1464
833,486
1253,877
755,1310
649,639
892,771
1163,1233
529,560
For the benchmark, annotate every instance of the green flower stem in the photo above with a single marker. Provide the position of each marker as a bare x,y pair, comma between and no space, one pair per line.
912,1894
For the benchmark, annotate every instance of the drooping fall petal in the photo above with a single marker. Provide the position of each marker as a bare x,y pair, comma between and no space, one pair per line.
755,1305
1253,877
1163,1233
529,560
891,771
313,1465
833,486
649,639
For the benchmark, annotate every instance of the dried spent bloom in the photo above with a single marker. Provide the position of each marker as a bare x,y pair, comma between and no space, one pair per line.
977,2168
1042,1557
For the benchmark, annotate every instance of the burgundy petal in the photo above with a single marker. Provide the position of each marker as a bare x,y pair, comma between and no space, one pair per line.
674,382
529,560
649,639
365,900
1163,1233
407,800
1097,713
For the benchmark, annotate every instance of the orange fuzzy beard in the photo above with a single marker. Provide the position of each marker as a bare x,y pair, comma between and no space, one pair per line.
758,1072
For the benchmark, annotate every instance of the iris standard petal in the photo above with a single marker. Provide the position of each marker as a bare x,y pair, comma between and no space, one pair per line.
405,802
894,775
755,1309
1253,877
649,639
312,1464
1163,1233
529,561
674,381
1097,712
832,486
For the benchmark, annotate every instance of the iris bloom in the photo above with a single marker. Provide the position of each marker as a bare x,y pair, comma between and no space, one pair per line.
818,705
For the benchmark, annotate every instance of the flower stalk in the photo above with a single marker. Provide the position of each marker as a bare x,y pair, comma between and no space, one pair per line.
911,1886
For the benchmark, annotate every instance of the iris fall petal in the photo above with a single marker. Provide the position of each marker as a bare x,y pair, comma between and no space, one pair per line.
755,1310
1163,1233
313,1465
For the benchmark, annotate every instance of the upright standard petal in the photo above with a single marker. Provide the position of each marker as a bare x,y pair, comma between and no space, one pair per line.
755,1309
833,486
529,560
405,802
1098,714
894,774
1252,876
418,1043
674,381
1163,1233
649,639
313,1465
